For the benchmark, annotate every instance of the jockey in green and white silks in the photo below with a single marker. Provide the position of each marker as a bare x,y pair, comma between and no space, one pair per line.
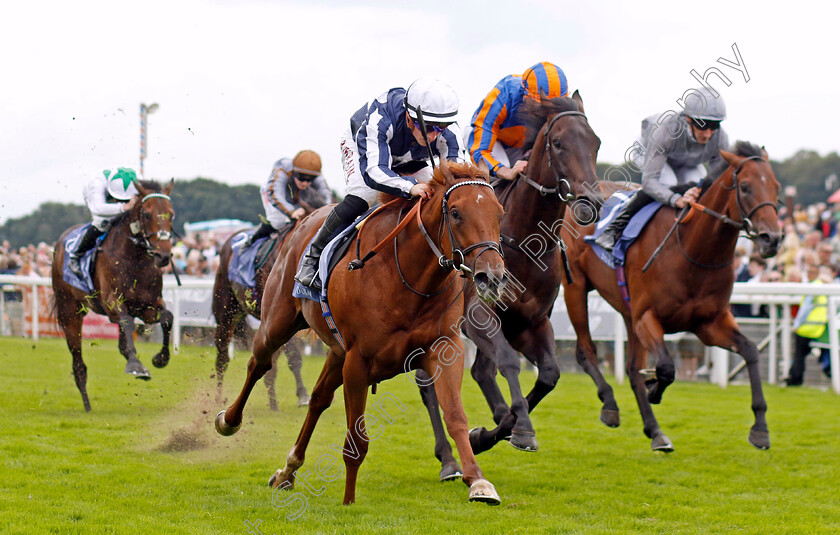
671,152
107,195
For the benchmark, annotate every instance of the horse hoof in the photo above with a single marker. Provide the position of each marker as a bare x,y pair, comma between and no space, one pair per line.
523,441
483,491
140,374
610,418
661,443
760,439
475,440
160,361
222,426
450,472
303,401
277,479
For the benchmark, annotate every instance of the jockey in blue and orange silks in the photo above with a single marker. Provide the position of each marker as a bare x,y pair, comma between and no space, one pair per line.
496,136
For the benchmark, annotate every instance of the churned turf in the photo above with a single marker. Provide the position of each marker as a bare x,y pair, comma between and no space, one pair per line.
147,459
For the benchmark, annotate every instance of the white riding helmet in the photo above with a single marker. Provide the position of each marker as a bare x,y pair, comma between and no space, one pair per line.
121,182
437,100
702,104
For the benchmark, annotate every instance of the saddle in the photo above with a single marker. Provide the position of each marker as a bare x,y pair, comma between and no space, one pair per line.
244,263
632,231
87,262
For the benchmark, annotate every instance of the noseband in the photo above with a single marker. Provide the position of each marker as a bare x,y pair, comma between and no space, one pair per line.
451,263
560,180
138,227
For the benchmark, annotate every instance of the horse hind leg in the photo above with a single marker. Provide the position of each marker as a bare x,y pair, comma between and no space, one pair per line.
587,356
450,469
161,359
726,334
322,397
71,324
294,359
133,366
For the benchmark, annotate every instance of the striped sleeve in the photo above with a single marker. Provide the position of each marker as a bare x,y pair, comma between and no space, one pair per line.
487,121
375,154
276,186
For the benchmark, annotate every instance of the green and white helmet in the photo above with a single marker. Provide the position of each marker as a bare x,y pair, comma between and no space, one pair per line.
121,182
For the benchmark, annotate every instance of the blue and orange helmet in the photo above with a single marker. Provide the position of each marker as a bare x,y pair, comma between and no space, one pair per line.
545,80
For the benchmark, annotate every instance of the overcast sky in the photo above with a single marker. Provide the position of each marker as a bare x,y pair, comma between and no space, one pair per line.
243,83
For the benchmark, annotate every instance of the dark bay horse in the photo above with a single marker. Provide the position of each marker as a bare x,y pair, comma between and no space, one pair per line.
685,289
127,281
389,324
560,172
232,302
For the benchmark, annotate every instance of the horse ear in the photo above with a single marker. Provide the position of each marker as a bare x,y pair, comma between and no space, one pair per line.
730,158
446,172
168,188
764,153
140,189
579,100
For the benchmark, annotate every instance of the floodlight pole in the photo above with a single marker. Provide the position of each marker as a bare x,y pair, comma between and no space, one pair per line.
144,111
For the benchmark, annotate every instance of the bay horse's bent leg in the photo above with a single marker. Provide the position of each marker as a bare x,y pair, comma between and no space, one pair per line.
450,469
133,365
294,359
322,396
162,358
638,348
652,336
725,333
483,371
586,353
538,345
448,390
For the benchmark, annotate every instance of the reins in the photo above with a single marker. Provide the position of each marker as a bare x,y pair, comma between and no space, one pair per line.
560,180
745,224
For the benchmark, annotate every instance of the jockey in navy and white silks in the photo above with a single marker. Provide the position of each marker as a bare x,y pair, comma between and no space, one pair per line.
107,195
384,150
282,195
671,152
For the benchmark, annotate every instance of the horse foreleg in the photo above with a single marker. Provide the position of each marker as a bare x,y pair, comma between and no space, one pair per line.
537,344
450,469
483,371
162,358
356,382
448,391
228,313
133,365
269,379
652,337
635,364
586,353
322,397
294,359
725,333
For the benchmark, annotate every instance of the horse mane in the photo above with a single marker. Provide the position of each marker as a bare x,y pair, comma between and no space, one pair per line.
747,149
534,114
459,170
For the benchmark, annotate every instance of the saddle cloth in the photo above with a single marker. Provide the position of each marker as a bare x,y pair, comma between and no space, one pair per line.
244,263
634,228
71,243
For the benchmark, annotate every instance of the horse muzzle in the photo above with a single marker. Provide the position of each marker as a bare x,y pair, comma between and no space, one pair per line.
586,209
162,258
490,283
767,243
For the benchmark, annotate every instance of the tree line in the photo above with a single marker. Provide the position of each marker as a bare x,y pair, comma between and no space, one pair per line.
201,199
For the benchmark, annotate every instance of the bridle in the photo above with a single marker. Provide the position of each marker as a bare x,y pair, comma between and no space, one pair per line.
559,179
139,236
449,264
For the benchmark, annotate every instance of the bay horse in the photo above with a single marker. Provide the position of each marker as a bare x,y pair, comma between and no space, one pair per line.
388,324
560,173
232,302
686,288
127,281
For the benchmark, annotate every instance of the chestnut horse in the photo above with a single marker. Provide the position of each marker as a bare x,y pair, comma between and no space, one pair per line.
389,323
560,172
127,281
232,302
686,288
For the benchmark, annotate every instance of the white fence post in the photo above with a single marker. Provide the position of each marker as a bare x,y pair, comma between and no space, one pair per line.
773,367
720,367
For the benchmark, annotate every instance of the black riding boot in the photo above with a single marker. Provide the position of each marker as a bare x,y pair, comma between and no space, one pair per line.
613,232
263,231
307,275
86,243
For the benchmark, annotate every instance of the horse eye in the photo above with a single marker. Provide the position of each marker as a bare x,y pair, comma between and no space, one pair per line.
455,215
745,188
557,145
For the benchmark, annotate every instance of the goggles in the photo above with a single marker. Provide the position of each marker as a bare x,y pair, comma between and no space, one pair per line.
430,127
701,124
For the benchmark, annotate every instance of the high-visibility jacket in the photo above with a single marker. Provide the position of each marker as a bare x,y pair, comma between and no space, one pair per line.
812,318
